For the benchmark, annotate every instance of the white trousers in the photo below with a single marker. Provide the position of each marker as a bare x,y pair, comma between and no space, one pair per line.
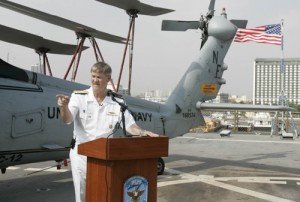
78,166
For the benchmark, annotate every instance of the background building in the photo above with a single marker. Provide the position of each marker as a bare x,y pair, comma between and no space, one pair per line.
267,80
222,98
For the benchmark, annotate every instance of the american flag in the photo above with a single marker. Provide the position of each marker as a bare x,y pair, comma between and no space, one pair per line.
269,34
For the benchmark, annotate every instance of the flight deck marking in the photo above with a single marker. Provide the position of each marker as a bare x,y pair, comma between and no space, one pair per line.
13,168
251,141
189,178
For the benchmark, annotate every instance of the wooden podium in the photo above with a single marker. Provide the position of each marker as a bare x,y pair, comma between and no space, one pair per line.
110,162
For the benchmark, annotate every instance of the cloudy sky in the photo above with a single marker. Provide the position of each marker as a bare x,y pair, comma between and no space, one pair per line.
160,58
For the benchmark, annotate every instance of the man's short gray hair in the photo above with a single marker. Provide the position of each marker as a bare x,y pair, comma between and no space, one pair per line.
101,67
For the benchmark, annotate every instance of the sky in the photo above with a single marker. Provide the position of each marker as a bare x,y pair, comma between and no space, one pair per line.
160,58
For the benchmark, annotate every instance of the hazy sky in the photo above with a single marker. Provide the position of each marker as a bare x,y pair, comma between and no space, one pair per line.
160,58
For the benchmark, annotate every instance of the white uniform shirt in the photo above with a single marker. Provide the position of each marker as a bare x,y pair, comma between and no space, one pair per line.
92,120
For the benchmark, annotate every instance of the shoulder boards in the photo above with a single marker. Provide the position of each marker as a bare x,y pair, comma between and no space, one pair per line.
81,92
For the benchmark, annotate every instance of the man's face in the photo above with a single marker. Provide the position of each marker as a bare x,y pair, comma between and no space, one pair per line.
99,80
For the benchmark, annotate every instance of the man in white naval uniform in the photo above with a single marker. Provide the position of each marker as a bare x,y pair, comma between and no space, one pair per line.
95,115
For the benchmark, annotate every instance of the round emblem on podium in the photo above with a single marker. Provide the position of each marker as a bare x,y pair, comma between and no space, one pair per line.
136,189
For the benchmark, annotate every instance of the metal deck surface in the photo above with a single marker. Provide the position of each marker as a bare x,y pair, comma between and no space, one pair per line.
200,167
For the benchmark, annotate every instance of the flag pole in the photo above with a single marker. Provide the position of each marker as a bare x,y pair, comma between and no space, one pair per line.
282,92
283,98
282,69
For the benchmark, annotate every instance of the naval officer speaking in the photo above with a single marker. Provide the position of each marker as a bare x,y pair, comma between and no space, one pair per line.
95,115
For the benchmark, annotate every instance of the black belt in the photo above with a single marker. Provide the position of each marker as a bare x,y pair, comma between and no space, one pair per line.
73,142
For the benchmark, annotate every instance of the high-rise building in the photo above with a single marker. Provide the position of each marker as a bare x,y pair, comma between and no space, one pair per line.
267,80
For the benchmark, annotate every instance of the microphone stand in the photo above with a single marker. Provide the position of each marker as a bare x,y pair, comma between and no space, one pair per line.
122,109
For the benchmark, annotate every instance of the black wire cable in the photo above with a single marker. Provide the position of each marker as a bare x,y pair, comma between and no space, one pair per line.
106,159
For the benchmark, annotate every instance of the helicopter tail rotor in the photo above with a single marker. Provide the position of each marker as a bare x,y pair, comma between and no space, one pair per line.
174,25
202,24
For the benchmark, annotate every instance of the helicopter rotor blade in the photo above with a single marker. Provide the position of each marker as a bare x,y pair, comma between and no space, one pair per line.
35,42
211,9
68,24
173,25
141,8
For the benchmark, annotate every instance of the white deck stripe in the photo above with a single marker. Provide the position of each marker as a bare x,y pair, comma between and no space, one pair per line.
13,168
234,140
188,178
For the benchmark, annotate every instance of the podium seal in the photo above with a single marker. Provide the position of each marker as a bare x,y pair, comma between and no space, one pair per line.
135,189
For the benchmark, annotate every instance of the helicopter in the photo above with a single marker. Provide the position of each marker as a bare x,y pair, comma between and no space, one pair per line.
32,130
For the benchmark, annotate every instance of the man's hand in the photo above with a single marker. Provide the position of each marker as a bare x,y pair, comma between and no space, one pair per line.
134,129
150,134
62,100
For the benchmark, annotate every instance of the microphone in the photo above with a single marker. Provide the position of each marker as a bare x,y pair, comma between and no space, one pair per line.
123,107
113,94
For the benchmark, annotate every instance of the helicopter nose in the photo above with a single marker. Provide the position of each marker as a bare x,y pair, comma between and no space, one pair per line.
221,28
